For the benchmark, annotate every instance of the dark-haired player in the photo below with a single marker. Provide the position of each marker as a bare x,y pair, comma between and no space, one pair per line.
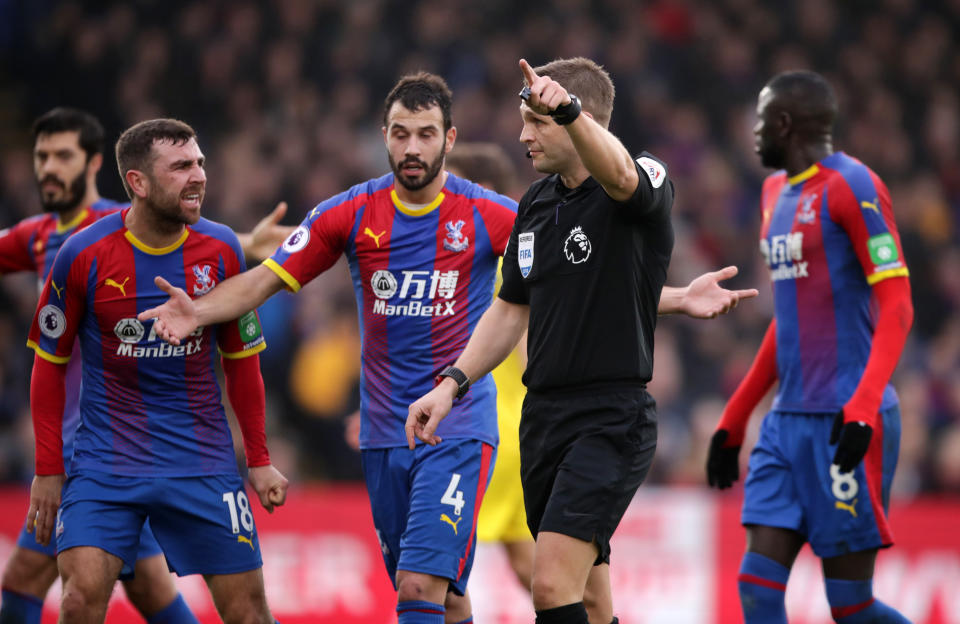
67,156
822,468
154,443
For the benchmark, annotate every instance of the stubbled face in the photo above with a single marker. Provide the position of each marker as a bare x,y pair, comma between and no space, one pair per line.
60,166
177,182
768,132
548,144
416,144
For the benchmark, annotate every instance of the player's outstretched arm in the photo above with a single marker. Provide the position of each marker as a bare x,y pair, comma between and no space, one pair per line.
494,338
267,235
270,485
230,299
604,156
704,297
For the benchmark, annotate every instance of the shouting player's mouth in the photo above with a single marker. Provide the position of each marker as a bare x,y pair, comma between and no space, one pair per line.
192,198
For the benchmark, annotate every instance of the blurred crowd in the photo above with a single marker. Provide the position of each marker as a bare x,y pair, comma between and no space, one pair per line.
287,99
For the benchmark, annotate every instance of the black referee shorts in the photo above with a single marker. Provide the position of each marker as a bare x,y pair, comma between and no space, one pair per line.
582,458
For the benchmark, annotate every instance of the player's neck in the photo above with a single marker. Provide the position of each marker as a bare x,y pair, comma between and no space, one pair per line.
148,229
425,195
801,159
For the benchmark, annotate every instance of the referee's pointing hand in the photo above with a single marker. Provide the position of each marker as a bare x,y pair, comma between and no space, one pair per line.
545,94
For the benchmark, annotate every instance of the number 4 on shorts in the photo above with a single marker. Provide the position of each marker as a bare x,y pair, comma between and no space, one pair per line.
453,496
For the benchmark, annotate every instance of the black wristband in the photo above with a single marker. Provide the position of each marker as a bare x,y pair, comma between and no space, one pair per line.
567,113
454,373
564,114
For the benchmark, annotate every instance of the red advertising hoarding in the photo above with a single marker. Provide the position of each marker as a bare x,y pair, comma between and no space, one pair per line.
675,559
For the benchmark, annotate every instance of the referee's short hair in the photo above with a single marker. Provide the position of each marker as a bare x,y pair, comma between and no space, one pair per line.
588,81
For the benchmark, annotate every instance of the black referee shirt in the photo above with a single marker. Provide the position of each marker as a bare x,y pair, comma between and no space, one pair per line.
591,269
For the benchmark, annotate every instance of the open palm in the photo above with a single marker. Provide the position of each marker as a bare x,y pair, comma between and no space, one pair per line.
177,318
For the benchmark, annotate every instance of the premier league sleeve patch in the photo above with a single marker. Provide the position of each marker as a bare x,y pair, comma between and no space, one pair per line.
52,321
297,240
654,171
525,253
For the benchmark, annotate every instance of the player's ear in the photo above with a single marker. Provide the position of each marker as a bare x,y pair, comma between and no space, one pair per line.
94,164
138,183
451,139
784,123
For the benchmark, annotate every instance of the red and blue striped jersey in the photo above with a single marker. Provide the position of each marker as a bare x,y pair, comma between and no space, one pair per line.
31,245
422,278
828,234
147,408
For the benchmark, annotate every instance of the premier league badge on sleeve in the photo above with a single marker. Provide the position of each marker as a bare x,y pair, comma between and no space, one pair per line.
525,253
52,321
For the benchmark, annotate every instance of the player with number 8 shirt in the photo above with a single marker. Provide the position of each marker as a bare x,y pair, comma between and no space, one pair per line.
822,468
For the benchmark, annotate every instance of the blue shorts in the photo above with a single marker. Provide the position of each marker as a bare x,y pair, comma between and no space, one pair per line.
148,543
204,524
425,504
791,484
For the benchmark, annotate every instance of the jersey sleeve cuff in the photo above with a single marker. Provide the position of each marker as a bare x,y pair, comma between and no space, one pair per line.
882,275
239,355
511,299
290,281
56,359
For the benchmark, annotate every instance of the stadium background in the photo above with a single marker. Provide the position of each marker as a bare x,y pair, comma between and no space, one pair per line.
287,99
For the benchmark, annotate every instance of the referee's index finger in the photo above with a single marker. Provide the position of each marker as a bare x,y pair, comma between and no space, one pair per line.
528,74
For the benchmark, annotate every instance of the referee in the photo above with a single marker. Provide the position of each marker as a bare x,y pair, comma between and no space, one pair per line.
583,269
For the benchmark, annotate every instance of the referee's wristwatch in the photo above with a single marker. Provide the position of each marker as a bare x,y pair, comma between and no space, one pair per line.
454,373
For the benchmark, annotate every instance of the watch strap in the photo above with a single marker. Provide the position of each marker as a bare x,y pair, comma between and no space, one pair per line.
454,373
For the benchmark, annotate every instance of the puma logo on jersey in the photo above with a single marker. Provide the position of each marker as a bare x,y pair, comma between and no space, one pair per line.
870,205
59,291
851,507
375,237
243,539
447,519
111,282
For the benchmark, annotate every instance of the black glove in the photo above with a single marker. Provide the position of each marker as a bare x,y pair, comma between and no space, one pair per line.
723,463
852,440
